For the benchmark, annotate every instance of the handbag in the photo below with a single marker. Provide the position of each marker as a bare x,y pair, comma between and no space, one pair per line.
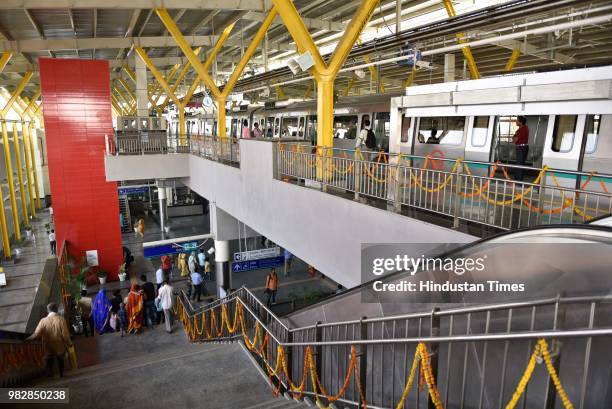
158,305
72,357
113,322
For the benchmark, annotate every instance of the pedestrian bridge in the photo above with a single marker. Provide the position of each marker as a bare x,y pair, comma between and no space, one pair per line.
244,179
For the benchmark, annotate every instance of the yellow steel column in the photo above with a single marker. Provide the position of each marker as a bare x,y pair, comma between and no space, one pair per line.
325,111
6,243
32,136
22,195
325,74
25,131
221,125
516,53
4,59
11,184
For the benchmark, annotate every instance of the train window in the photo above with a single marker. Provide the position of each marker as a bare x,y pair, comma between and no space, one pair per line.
479,131
345,126
382,126
441,130
591,130
276,126
563,133
289,127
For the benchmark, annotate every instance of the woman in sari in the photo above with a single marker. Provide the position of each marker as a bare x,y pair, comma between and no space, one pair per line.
134,309
101,312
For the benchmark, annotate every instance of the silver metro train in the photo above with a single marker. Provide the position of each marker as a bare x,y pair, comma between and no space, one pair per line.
299,120
569,116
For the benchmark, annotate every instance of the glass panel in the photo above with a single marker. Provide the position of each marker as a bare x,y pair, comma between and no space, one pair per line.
479,131
269,126
441,130
563,133
345,126
406,122
591,130
311,129
382,127
289,127
301,127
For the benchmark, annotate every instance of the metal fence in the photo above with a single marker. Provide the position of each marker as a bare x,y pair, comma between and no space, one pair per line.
463,190
531,354
226,150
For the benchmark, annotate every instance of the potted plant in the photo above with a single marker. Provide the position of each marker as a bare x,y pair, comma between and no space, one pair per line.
102,276
122,272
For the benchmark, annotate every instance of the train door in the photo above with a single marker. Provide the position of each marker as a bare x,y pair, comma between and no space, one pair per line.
277,121
502,147
382,130
562,147
301,127
311,129
441,138
478,142
596,152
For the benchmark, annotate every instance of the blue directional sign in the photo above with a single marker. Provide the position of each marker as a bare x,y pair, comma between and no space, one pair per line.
258,264
138,190
167,249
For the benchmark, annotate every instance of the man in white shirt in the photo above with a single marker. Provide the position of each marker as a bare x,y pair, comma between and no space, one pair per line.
201,260
166,297
52,242
159,277
192,263
363,135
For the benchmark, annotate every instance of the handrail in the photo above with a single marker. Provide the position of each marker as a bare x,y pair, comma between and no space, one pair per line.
321,357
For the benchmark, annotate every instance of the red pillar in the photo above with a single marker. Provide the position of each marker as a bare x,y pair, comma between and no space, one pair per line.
77,113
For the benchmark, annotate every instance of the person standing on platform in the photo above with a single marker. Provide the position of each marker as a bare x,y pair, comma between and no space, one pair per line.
52,242
159,277
521,141
101,311
197,282
182,262
134,309
288,259
201,261
166,299
207,268
166,265
256,133
271,287
148,292
246,133
84,305
53,330
192,263
122,320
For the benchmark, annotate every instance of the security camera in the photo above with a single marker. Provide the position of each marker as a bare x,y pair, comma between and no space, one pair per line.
294,66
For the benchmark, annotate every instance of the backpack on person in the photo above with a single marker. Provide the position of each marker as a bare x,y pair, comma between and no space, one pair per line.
370,141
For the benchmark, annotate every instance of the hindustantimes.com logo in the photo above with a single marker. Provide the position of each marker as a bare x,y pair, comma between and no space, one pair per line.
457,265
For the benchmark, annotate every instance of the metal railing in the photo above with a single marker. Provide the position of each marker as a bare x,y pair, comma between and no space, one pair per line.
473,191
525,354
226,150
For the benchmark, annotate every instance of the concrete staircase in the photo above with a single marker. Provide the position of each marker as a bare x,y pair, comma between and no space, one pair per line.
158,370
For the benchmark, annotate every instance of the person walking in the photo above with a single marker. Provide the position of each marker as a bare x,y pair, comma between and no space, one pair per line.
271,287
148,292
166,299
52,242
84,305
53,330
197,282
201,260
288,259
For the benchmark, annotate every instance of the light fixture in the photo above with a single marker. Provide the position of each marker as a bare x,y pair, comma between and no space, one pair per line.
360,73
211,251
294,66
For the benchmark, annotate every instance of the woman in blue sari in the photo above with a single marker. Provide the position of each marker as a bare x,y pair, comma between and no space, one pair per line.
101,312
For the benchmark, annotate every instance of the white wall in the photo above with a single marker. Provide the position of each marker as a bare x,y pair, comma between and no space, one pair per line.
324,230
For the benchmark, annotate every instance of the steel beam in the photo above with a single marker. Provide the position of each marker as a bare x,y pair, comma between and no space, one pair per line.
467,51
63,44
516,53
32,136
25,132
255,5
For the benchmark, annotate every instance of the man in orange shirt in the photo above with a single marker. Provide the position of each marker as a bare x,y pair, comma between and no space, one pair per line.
55,336
271,287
